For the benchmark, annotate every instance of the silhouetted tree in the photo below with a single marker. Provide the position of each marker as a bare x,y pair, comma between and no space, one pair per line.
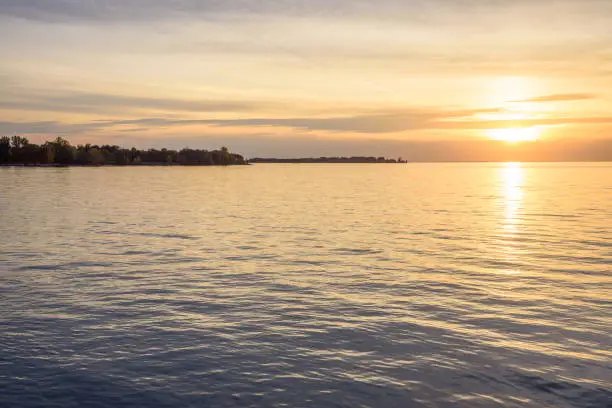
64,153
18,141
5,149
121,157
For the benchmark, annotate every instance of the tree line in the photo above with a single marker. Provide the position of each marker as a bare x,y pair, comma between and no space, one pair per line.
19,150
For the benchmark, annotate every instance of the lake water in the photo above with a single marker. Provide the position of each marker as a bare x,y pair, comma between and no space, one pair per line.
418,285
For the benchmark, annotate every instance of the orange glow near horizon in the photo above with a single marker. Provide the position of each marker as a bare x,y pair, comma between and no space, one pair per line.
515,135
338,78
512,95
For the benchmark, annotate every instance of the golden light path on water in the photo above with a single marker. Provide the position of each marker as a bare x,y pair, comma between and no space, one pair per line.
512,175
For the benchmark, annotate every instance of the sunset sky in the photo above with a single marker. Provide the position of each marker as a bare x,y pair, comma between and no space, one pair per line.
306,77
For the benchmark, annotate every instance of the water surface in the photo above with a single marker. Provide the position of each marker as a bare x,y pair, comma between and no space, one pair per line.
420,285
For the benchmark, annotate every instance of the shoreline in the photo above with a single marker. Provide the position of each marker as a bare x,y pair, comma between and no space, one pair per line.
121,165
55,165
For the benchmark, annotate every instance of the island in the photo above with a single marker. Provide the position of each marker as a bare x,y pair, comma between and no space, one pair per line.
18,151
352,159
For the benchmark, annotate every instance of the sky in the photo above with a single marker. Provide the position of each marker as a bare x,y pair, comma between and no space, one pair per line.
424,79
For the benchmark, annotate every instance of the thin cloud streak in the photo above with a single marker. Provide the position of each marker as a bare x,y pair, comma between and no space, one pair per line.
568,97
367,124
400,123
143,10
96,102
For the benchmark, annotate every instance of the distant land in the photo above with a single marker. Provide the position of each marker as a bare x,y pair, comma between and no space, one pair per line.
17,150
352,159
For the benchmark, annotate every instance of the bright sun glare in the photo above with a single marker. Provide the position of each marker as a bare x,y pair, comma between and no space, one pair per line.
514,135
512,95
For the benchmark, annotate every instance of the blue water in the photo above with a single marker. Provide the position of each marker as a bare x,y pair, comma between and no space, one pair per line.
420,285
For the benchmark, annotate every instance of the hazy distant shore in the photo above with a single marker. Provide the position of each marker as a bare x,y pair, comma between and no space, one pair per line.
352,159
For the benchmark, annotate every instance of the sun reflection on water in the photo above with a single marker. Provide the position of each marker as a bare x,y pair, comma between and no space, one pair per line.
512,180
512,177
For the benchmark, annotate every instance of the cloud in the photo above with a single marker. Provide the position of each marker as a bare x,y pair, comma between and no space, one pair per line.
359,123
391,123
129,10
560,98
101,10
379,123
385,122
98,102
60,128
520,123
145,10
47,127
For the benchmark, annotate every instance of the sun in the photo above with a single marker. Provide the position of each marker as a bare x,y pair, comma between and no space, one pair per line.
515,135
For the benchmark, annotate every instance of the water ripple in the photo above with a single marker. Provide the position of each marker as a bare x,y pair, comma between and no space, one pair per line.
434,286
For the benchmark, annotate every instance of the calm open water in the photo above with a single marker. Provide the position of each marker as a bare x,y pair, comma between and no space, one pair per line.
419,285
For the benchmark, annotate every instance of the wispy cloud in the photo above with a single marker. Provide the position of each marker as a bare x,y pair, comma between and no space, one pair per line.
105,103
330,67
567,97
163,9
130,10
443,120
46,127
70,10
395,122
